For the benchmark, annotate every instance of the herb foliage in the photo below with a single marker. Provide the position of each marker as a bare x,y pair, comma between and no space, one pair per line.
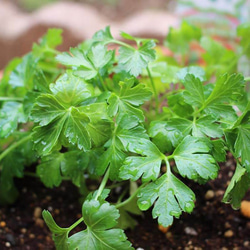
130,117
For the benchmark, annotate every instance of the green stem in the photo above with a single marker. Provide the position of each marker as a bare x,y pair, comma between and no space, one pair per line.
103,183
15,145
167,164
121,43
119,205
54,51
154,88
122,195
3,98
168,158
247,79
102,82
75,224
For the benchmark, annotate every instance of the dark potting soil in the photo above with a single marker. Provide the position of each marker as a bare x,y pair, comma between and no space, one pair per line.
211,225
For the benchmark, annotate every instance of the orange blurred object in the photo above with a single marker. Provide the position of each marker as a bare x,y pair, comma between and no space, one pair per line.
245,208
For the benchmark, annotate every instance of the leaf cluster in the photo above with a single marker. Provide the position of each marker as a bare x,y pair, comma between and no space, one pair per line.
131,120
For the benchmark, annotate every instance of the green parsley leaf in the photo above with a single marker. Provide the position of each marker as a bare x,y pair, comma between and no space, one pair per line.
126,134
5,88
242,142
167,73
12,166
134,60
194,93
57,116
99,126
10,115
224,112
87,64
171,197
207,125
148,166
71,164
219,59
196,71
237,188
218,150
226,88
49,170
59,235
130,97
178,39
47,43
103,35
164,136
243,32
70,90
23,74
100,220
192,159
178,105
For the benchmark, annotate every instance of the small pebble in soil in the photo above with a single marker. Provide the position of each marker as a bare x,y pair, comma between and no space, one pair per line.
39,222
209,195
245,208
37,212
246,243
21,240
7,244
2,224
10,238
32,236
50,208
229,234
57,211
169,235
190,231
219,193
48,198
23,230
227,225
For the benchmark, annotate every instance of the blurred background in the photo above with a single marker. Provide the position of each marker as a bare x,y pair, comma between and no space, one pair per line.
22,22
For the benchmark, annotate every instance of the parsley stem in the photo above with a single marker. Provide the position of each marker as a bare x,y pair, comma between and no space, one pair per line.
75,224
3,98
119,205
102,82
103,183
154,88
122,44
15,145
123,194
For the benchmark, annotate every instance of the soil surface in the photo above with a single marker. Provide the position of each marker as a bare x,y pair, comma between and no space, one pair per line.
212,224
